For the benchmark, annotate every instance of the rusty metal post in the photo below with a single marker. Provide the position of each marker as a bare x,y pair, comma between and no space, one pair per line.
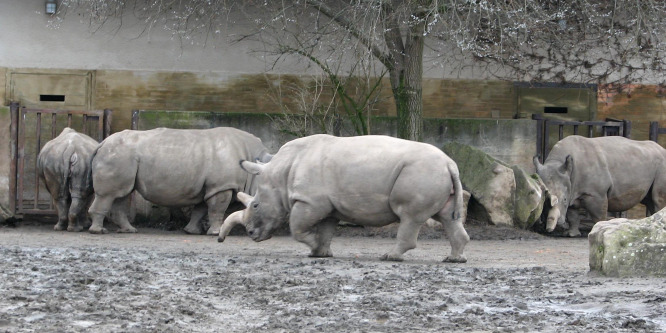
13,139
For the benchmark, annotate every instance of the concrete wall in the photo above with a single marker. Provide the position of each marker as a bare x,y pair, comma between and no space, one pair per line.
512,141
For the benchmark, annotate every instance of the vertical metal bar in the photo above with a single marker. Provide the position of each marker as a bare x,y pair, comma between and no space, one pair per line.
100,127
37,148
13,175
627,128
539,136
69,120
590,130
107,123
546,136
21,161
53,125
654,131
85,124
575,129
53,135
560,132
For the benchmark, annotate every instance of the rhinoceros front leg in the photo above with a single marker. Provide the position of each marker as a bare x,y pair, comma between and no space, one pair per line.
217,205
194,227
573,218
62,208
310,226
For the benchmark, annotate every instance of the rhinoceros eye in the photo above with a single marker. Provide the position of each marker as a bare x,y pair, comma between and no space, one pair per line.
255,205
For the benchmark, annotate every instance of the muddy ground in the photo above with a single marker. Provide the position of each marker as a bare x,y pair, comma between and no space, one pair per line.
167,281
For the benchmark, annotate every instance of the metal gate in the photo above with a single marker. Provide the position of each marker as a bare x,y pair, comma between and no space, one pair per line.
30,130
544,141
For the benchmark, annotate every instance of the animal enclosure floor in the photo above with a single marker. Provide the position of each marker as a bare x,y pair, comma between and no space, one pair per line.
172,282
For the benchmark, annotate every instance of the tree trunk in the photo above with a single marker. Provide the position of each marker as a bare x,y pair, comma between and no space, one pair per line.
407,86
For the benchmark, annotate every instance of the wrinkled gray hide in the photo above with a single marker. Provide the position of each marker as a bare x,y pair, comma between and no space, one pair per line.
173,168
316,181
602,174
63,166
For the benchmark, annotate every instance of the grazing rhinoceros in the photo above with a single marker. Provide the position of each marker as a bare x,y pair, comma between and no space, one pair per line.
601,174
63,166
314,182
173,168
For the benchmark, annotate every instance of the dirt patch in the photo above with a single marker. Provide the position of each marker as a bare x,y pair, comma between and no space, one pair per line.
168,281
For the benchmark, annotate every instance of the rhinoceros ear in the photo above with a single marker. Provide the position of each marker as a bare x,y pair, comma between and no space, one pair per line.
253,168
567,167
244,198
537,164
553,200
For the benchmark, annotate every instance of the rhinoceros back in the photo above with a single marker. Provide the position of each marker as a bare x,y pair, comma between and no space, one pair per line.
173,167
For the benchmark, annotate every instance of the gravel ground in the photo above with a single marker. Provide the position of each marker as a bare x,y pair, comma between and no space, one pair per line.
172,282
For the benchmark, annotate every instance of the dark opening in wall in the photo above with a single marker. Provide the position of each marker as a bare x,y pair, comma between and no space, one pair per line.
51,98
555,109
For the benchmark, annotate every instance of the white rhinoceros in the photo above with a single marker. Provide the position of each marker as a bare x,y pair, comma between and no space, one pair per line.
173,168
601,174
63,165
316,181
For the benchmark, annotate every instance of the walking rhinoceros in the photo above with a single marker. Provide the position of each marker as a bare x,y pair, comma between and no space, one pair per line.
601,174
173,168
314,182
63,166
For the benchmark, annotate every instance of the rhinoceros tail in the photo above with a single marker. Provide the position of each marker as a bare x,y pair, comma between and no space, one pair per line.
67,165
458,192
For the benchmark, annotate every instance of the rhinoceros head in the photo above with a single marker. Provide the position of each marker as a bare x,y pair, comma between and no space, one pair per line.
557,178
265,212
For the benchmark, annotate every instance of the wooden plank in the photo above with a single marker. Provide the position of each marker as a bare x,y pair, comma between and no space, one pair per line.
38,146
13,139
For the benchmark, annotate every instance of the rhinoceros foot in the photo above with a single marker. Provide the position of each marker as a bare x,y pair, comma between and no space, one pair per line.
392,257
212,232
193,230
60,227
573,233
75,228
456,260
128,230
321,254
94,230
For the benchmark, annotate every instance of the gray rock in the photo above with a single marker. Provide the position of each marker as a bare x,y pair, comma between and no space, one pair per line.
622,247
500,194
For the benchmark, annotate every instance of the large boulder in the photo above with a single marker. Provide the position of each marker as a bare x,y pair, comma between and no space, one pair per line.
500,194
623,247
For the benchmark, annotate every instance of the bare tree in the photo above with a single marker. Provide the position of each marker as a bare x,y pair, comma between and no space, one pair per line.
584,41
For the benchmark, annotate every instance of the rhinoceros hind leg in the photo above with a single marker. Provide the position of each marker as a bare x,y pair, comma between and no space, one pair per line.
456,233
62,208
121,215
217,205
408,233
194,227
